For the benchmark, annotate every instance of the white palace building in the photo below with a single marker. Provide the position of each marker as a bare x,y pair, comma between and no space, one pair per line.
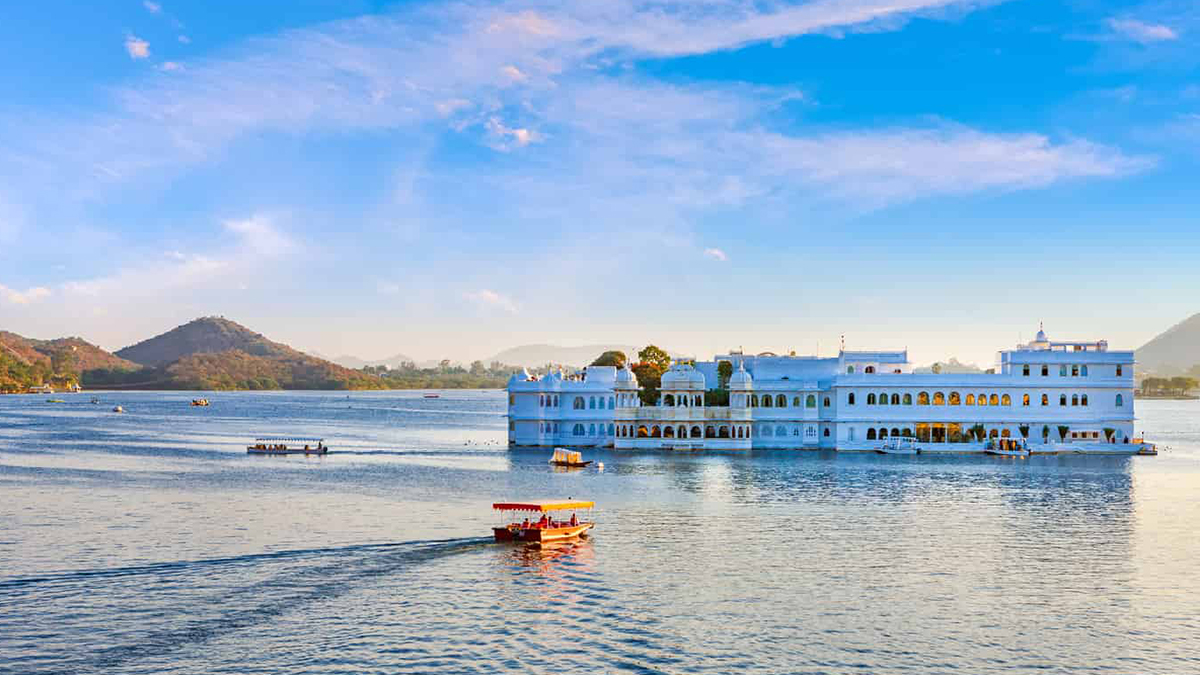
1048,392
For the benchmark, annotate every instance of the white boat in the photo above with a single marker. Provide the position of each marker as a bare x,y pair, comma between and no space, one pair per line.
899,445
118,409
564,457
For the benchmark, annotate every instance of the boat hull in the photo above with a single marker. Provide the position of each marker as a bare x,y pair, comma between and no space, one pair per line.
883,451
1008,453
300,451
535,535
571,464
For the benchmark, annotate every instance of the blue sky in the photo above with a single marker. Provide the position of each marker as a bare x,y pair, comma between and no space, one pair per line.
450,179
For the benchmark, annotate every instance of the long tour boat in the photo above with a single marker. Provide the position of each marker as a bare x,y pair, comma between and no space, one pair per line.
899,445
571,458
288,446
1007,447
546,528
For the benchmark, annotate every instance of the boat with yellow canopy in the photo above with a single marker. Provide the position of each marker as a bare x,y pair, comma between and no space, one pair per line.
571,458
546,528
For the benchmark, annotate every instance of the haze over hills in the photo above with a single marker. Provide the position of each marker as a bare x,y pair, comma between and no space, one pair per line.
348,361
952,366
540,355
1174,351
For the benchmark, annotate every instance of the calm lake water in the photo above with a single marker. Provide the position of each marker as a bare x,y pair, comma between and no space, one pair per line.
151,543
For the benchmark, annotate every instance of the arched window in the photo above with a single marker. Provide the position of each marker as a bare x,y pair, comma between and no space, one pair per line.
578,405
1083,370
1062,371
993,400
955,399
908,432
810,401
895,399
668,432
1045,371
1074,371
723,432
895,431
826,401
655,432
970,399
754,400
1006,400
556,400
1119,370
1025,400
591,430
883,432
981,400
669,400
939,398
1062,400
1120,401
1083,400
795,401
1025,370
643,432
591,402
923,398
1045,400
542,401
850,398
993,433
1074,399
780,401
699,400
697,433
826,432
869,369
849,370
739,433
883,399
780,431
908,399
870,399
766,401
870,434
610,430
611,402
1005,434
577,430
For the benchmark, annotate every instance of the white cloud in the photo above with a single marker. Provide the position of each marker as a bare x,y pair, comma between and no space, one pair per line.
183,39
505,138
152,7
1142,32
491,300
513,73
28,296
137,47
716,254
170,66
259,236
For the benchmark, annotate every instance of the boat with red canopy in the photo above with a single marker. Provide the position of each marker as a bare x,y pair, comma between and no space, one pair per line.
545,528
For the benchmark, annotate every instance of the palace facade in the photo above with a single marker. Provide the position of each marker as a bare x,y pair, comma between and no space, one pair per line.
1044,391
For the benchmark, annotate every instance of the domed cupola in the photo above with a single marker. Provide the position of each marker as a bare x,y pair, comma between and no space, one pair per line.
522,376
741,380
682,376
626,379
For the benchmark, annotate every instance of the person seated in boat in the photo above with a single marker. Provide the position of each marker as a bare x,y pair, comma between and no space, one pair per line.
544,522
525,523
574,520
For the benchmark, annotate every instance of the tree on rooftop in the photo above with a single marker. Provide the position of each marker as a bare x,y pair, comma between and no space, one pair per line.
724,372
658,357
649,377
613,357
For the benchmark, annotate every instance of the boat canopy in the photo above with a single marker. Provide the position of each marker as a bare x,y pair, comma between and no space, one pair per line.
289,440
543,505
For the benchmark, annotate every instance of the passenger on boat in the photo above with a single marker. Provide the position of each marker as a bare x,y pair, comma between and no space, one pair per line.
574,520
544,522
525,524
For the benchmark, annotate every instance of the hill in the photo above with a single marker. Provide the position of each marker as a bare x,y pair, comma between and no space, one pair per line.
215,353
27,361
394,361
1175,351
540,355
952,366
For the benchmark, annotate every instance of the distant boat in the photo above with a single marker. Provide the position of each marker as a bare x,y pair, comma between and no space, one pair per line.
899,445
432,396
288,446
95,401
200,402
55,400
564,457
1006,447
118,409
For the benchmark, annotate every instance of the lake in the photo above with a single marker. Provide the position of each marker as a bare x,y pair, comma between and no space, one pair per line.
150,542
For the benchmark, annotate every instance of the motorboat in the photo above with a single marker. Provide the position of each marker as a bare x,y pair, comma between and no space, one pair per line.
570,458
200,402
118,409
899,445
1007,447
431,396
288,446
545,529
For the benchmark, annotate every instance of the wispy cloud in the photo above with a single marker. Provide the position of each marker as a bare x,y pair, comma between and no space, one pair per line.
25,297
152,7
137,47
488,299
716,254
185,40
1142,32
170,66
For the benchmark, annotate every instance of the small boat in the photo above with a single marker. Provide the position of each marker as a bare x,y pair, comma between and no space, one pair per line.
1006,447
546,529
1147,448
95,401
564,457
118,409
288,446
899,445
55,400
431,396
200,402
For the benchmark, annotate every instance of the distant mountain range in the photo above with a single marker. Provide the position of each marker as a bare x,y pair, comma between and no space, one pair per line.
394,361
953,366
1174,351
540,355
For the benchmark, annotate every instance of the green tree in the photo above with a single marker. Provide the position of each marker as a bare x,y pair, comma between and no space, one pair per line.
649,378
1108,433
652,354
724,372
1063,430
477,368
611,358
1024,428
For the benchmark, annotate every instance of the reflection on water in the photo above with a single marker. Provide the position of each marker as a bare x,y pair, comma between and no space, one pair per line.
150,543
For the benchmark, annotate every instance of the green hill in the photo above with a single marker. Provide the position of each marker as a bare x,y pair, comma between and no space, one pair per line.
27,361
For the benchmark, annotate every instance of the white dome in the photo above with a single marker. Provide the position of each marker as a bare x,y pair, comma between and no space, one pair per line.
741,379
682,376
626,379
522,376
1041,336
